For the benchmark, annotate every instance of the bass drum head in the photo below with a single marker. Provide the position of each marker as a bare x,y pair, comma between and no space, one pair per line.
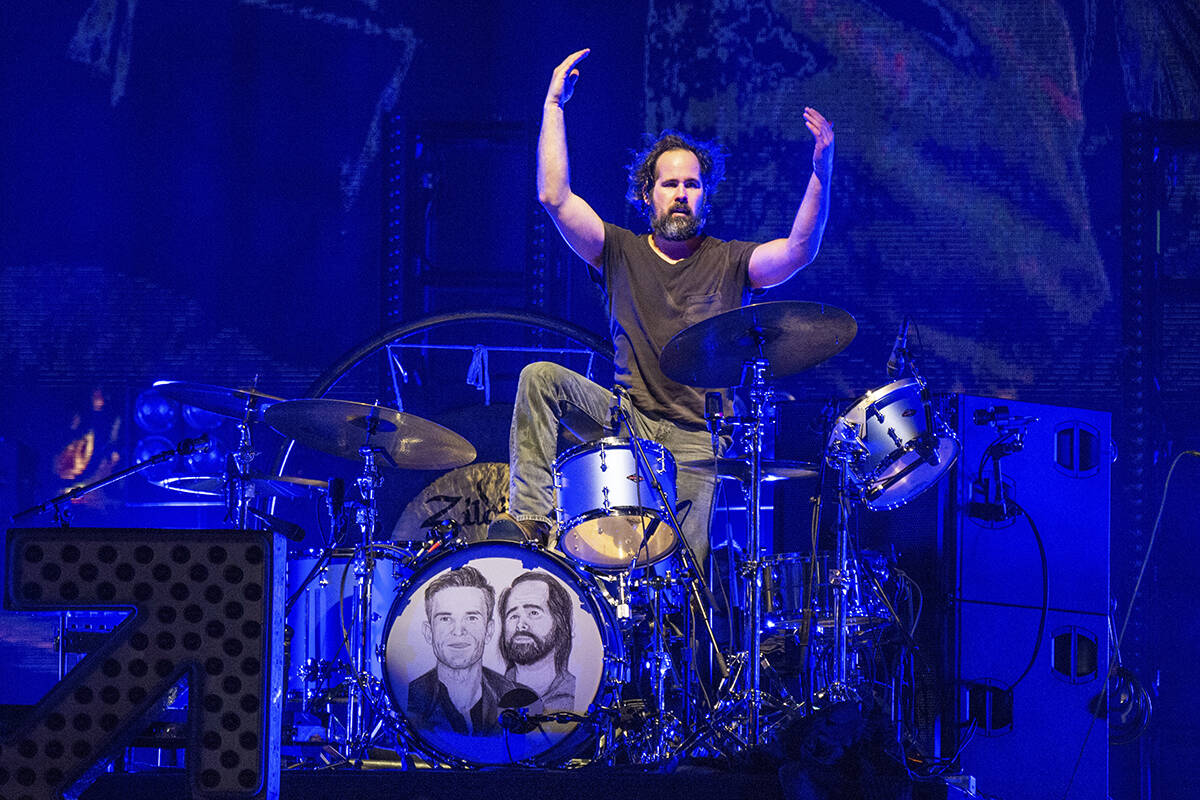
437,660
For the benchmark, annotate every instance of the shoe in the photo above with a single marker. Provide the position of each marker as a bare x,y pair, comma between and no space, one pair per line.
506,527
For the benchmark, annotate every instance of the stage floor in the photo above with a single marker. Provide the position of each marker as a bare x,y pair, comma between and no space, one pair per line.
427,784
587,783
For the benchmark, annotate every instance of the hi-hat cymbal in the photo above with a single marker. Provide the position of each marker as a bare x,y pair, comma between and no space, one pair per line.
217,399
269,485
772,469
342,427
790,335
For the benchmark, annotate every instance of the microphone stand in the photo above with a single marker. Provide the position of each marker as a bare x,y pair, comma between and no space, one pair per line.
687,556
62,515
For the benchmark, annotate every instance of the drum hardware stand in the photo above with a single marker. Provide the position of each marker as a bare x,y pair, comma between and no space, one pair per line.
840,690
845,447
239,492
727,718
357,737
752,567
692,573
653,739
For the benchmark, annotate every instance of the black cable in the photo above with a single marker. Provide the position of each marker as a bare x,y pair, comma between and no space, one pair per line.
1037,536
721,498
637,465
1113,659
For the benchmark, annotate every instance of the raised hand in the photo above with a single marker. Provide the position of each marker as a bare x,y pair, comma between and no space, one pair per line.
562,82
822,131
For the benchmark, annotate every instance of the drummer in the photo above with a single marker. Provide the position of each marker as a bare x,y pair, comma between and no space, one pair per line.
656,284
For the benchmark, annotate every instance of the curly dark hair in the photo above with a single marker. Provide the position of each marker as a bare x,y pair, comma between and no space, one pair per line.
643,168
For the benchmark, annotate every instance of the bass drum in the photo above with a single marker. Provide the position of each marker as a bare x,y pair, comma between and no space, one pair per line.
446,672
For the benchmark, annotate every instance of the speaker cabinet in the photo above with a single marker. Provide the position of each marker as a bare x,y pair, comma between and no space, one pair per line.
1031,597
206,605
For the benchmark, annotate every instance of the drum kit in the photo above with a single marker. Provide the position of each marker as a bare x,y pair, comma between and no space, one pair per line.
597,647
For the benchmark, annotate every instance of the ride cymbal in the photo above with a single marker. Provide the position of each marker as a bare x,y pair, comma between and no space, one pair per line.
790,335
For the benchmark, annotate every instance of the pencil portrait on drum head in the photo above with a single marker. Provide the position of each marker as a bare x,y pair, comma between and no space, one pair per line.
459,694
536,637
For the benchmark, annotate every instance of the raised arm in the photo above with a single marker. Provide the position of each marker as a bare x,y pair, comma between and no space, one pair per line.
775,261
579,225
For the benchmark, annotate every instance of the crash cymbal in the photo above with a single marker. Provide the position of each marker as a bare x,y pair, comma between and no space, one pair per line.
341,427
791,335
217,399
772,469
285,486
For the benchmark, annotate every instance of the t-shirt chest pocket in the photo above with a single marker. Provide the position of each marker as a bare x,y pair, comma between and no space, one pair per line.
697,307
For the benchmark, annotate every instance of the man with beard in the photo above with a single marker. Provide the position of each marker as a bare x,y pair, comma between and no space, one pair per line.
656,285
535,639
459,694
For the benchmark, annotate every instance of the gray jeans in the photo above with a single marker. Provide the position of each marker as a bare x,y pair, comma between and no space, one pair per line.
542,390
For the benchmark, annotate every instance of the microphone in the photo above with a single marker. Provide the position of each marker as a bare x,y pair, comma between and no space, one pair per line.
899,357
714,412
616,412
514,721
187,447
514,718
337,498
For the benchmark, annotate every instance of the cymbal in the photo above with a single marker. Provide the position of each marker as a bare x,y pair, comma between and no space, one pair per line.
341,427
791,335
218,399
272,485
772,469
469,495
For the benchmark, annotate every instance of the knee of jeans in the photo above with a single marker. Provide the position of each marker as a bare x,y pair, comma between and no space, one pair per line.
539,375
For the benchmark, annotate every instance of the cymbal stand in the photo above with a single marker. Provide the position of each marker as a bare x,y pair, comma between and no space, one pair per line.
737,720
845,448
239,491
367,517
753,566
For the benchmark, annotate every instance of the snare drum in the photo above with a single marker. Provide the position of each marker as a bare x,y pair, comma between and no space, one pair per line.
899,447
608,512
447,619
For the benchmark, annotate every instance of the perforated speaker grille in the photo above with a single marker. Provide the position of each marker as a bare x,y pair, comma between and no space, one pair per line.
202,604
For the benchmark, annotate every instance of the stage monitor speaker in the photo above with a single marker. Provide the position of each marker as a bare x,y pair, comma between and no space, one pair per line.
206,605
1031,596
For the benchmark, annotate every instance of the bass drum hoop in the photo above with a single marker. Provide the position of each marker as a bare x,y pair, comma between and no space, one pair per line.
601,613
